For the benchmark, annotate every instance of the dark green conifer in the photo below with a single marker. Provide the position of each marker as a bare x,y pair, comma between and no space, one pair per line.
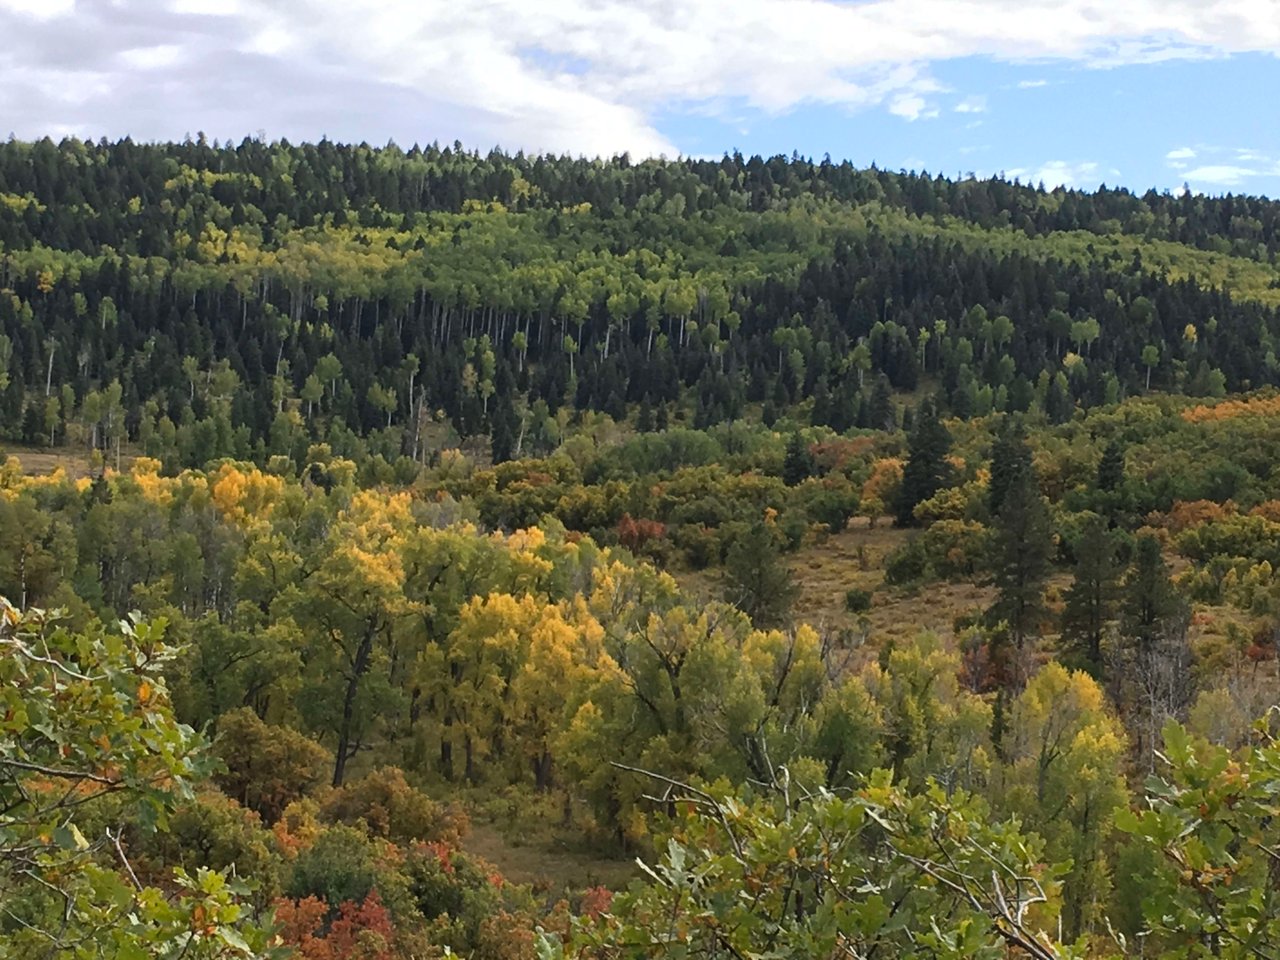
927,470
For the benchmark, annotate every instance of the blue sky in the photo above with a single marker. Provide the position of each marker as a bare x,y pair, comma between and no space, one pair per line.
1200,122
1142,93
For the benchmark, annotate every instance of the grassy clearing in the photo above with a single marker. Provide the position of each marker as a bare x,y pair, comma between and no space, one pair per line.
547,861
826,569
38,461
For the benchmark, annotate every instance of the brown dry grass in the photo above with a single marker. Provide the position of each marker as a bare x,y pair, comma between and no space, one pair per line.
39,461
826,568
546,862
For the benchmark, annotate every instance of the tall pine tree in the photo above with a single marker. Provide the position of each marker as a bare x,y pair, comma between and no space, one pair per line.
797,466
757,578
1091,598
1022,552
927,470
1151,611
1010,458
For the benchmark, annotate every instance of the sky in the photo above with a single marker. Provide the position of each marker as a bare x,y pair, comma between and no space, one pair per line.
1137,93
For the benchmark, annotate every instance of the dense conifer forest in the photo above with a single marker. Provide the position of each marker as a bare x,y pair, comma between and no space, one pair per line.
425,553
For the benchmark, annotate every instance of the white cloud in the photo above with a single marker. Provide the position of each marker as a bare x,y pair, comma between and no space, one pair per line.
39,9
1059,173
912,107
973,104
1220,167
152,58
585,76
1032,84
208,8
1220,174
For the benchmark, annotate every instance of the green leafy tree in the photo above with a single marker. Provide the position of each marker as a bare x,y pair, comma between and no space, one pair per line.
1212,825
801,873
266,767
1063,750
87,737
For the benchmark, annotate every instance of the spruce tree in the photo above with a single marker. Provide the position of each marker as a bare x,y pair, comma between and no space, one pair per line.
927,470
881,408
1154,679
1151,609
644,418
1091,598
1022,558
797,466
1058,405
1010,458
1111,467
757,578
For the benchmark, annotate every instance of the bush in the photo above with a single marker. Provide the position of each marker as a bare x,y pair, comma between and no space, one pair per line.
390,808
213,831
268,767
857,600
907,564
701,545
949,548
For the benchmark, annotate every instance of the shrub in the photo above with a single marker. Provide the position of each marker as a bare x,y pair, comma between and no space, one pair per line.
907,564
268,767
857,600
390,808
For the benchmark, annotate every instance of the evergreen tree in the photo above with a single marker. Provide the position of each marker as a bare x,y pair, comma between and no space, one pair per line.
757,578
881,408
661,419
1153,669
1010,459
927,470
1022,548
797,466
1091,598
1111,467
502,436
1151,609
644,418
1058,406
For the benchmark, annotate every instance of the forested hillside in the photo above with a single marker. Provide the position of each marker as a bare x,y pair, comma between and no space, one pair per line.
245,301
398,545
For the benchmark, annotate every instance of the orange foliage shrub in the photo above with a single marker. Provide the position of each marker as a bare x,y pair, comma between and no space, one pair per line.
391,808
886,476
595,901
362,931
1230,409
1268,510
1194,513
635,533
838,452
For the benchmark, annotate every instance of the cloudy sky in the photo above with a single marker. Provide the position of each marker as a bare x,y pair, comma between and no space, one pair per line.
1135,92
